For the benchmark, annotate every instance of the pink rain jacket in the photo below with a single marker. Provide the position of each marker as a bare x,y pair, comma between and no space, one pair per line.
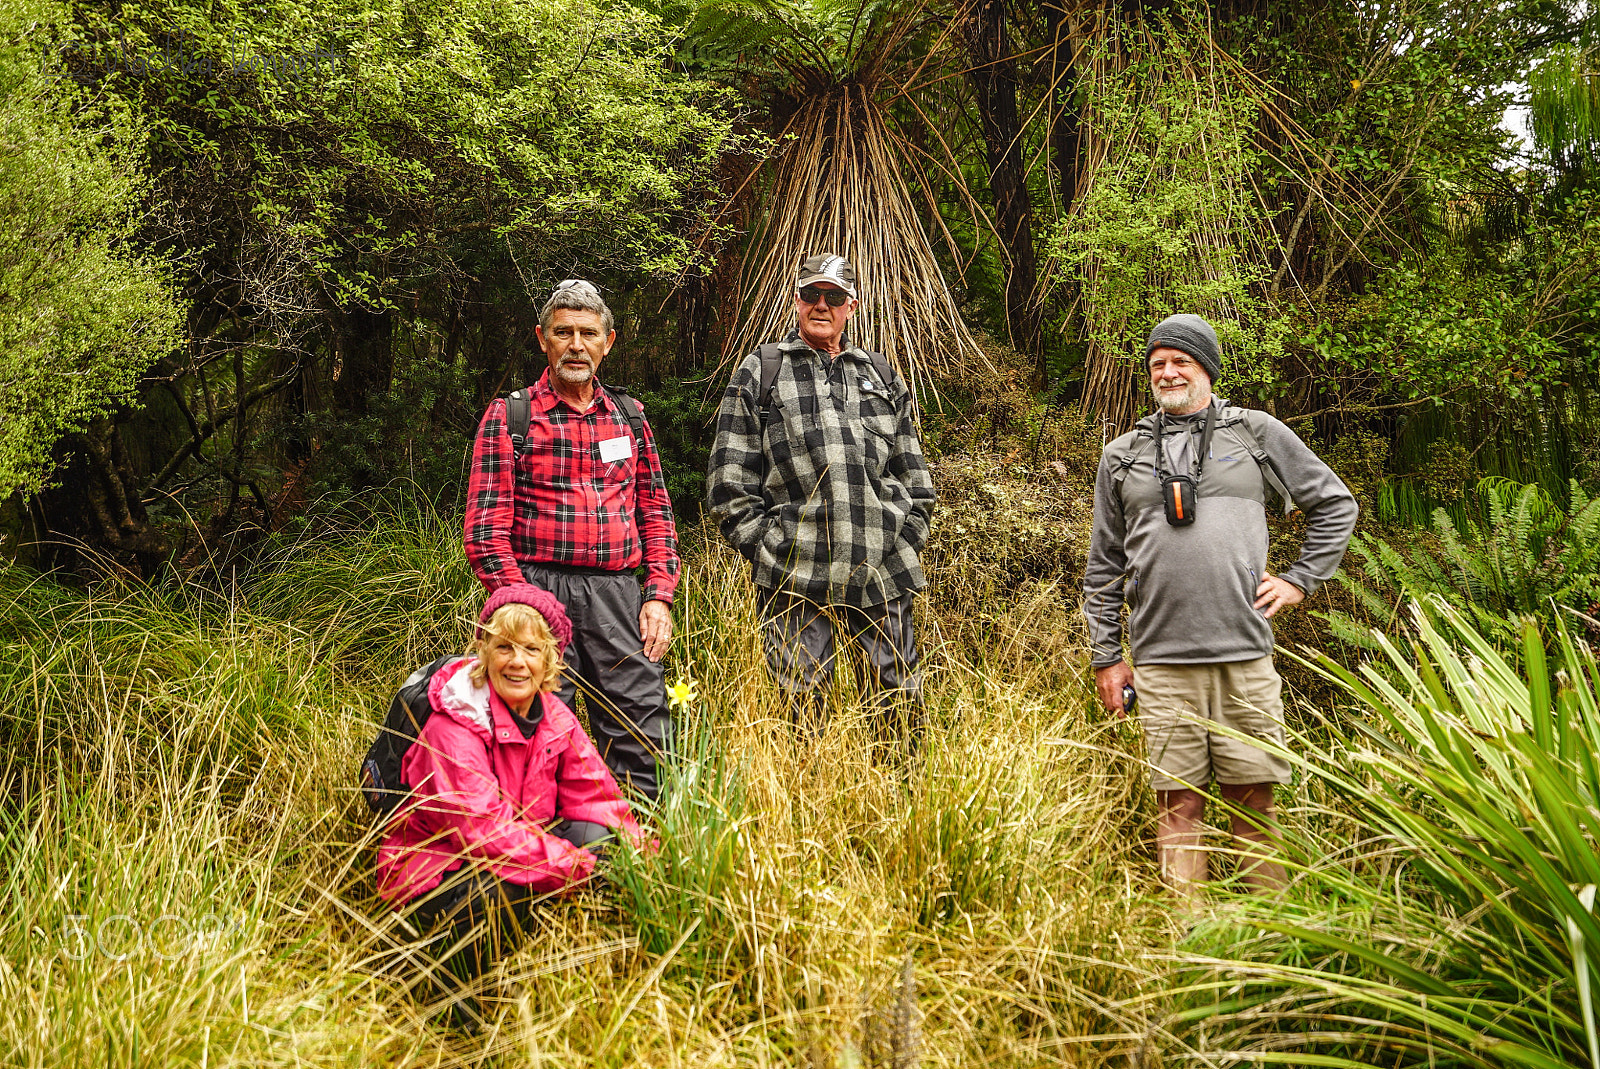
482,791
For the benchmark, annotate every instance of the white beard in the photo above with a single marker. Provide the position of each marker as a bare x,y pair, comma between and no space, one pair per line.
573,377
1188,399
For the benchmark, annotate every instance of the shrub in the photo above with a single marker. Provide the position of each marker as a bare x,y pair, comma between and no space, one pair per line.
1005,559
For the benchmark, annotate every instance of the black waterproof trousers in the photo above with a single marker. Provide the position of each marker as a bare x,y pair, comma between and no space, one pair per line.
801,644
624,693
471,921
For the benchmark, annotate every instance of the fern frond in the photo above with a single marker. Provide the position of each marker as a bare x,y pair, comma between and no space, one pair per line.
1350,631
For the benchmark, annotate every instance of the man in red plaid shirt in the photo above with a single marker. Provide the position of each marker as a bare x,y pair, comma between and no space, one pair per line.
576,510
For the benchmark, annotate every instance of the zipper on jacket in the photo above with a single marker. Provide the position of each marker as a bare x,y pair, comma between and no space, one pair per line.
1133,603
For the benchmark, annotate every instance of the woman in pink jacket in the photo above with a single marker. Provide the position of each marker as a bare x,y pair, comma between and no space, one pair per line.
509,798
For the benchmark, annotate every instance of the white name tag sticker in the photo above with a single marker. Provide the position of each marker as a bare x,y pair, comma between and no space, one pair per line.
615,449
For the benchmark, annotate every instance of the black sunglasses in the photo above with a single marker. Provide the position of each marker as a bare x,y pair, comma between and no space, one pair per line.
836,298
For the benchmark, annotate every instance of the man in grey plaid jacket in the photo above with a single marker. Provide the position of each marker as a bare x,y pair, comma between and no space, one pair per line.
821,485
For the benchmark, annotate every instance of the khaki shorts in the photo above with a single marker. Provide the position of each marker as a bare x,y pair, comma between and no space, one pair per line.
1178,702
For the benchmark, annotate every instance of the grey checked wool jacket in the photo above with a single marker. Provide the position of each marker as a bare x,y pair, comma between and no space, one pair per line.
833,502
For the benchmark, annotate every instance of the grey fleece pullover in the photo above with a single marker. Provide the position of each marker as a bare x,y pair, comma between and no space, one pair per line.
1190,590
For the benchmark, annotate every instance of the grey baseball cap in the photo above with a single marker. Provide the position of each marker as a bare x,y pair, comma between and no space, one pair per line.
826,267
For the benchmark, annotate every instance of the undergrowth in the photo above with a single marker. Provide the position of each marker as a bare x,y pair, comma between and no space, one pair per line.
186,863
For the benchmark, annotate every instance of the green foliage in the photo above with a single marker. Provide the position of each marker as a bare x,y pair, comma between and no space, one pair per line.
1390,125
805,43
1170,223
965,860
1526,559
422,126
417,434
680,419
684,883
1564,104
1438,329
360,197
1451,922
1361,460
1448,472
83,310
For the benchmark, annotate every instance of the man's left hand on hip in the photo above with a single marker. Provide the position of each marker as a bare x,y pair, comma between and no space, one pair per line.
1274,594
655,627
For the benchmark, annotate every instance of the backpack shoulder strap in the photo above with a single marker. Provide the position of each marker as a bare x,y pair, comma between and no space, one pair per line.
1129,457
771,358
1240,426
519,410
630,409
885,369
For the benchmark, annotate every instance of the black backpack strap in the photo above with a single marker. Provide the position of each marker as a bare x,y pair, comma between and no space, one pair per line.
771,359
885,369
630,409
1125,463
1269,467
381,779
519,410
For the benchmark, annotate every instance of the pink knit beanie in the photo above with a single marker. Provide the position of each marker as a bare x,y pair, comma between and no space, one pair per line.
536,598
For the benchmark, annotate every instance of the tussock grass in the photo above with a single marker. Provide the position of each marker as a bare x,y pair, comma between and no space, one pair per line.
184,760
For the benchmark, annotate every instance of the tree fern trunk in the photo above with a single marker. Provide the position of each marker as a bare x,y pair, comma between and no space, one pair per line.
994,80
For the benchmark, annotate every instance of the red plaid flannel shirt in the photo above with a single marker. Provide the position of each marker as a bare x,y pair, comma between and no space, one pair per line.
561,504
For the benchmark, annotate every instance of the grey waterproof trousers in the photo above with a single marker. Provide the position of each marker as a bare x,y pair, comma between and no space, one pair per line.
800,638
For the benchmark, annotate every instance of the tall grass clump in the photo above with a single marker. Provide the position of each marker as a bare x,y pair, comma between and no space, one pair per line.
179,768
1449,921
388,586
169,834
689,869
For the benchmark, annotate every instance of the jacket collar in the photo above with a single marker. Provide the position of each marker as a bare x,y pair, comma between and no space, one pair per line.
479,708
452,693
846,346
506,729
1148,423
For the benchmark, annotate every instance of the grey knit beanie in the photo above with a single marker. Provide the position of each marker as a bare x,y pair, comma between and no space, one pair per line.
1193,335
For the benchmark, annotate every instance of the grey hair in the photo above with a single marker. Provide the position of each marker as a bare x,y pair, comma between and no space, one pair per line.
578,296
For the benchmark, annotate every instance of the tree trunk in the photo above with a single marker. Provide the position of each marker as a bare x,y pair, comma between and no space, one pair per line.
95,505
694,300
1065,116
994,79
363,341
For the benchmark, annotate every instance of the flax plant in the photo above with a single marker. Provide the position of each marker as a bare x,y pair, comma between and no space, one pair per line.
1454,924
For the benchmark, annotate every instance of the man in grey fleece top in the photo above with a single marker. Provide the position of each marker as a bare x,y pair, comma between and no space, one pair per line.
1193,572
